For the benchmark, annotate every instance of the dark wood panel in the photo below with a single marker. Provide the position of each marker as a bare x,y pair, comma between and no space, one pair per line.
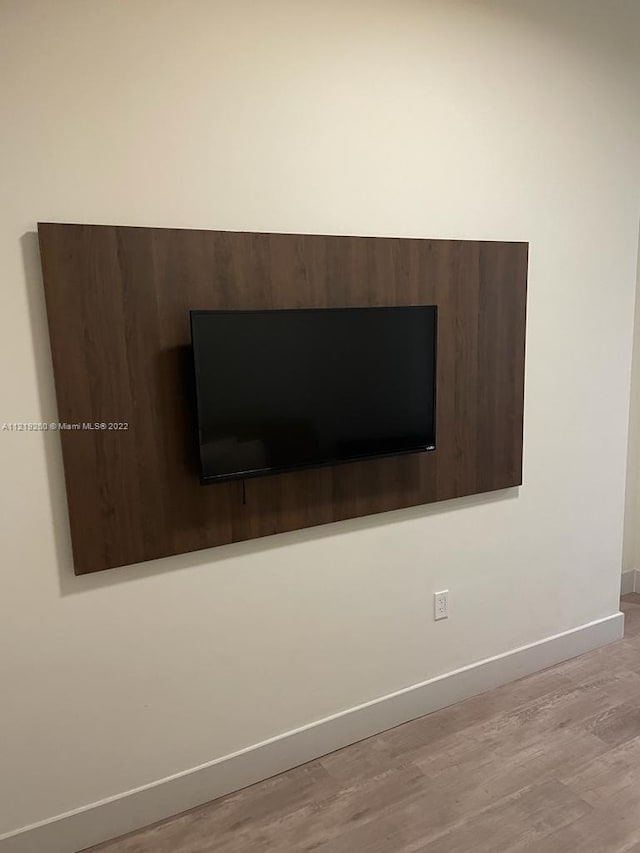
118,302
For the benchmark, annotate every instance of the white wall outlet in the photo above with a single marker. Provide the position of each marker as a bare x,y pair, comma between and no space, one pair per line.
441,605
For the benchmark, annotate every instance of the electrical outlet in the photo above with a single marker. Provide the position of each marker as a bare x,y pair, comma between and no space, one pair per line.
441,605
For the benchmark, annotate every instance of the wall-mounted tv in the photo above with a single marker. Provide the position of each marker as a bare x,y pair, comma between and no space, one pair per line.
280,390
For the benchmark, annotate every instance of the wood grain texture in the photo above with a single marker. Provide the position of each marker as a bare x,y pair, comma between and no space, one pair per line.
527,768
118,302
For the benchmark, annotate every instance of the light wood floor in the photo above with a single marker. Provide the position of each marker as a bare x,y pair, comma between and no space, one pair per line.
548,764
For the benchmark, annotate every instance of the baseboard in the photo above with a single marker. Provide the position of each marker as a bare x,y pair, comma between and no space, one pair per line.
131,810
630,582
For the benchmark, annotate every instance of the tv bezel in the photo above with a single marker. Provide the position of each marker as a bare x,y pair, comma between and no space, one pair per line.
210,479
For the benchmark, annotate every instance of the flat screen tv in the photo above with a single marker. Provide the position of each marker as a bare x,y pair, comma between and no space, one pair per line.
281,390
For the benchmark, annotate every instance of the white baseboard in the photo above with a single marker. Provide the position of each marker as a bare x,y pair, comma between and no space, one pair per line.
630,582
131,810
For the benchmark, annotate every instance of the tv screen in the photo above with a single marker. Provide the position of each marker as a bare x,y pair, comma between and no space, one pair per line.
280,390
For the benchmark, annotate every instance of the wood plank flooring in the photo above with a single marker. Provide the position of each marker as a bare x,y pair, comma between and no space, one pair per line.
548,764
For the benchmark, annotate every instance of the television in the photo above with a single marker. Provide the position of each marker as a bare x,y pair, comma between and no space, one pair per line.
280,390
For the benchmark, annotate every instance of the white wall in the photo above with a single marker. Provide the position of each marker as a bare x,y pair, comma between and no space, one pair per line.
631,550
495,120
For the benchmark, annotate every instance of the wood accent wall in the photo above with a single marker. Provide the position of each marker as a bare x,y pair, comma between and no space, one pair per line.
118,302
